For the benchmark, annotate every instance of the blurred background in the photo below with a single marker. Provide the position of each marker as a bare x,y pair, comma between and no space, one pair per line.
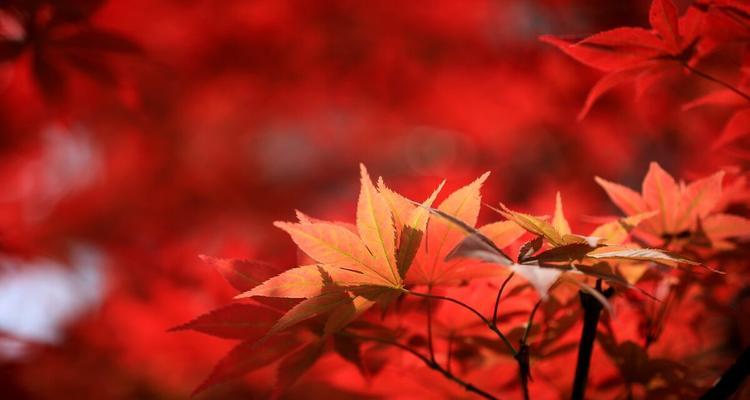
136,135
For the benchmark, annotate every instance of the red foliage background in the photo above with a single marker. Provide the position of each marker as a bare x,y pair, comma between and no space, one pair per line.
139,134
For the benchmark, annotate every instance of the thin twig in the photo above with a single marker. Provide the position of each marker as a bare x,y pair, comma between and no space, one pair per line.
433,365
473,310
430,347
524,354
531,321
450,353
716,80
497,299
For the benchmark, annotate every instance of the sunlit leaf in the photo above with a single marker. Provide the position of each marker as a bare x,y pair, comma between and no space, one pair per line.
559,222
462,205
413,232
660,192
310,281
336,246
535,225
626,199
376,229
502,233
616,232
655,255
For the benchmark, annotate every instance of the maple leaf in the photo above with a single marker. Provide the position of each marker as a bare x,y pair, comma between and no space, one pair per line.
449,224
737,127
631,53
296,364
738,124
410,221
568,252
235,321
726,22
684,210
617,231
243,275
354,270
249,356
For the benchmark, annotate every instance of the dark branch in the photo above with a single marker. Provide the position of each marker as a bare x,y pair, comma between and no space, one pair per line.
731,380
592,309
497,299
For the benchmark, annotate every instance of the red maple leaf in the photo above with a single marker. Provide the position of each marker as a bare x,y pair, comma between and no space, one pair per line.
632,53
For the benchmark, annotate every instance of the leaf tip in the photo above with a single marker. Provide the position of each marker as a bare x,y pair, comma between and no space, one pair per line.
483,178
363,171
178,328
244,295
283,225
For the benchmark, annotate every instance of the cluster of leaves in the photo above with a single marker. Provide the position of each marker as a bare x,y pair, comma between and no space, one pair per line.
282,99
59,37
674,42
398,244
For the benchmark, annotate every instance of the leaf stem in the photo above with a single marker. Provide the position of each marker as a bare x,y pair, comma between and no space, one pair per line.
497,299
449,357
531,321
430,345
716,80
473,310
524,353
430,363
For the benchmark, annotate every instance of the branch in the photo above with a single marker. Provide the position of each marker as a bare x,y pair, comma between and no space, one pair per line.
497,299
450,353
731,380
430,363
430,346
524,352
531,321
592,309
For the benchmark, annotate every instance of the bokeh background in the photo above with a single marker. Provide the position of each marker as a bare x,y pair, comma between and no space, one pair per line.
159,130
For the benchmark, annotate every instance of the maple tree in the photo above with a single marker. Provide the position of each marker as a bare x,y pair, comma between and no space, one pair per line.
140,134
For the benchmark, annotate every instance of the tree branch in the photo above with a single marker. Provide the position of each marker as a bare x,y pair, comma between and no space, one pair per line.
497,299
524,353
430,346
531,321
592,309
